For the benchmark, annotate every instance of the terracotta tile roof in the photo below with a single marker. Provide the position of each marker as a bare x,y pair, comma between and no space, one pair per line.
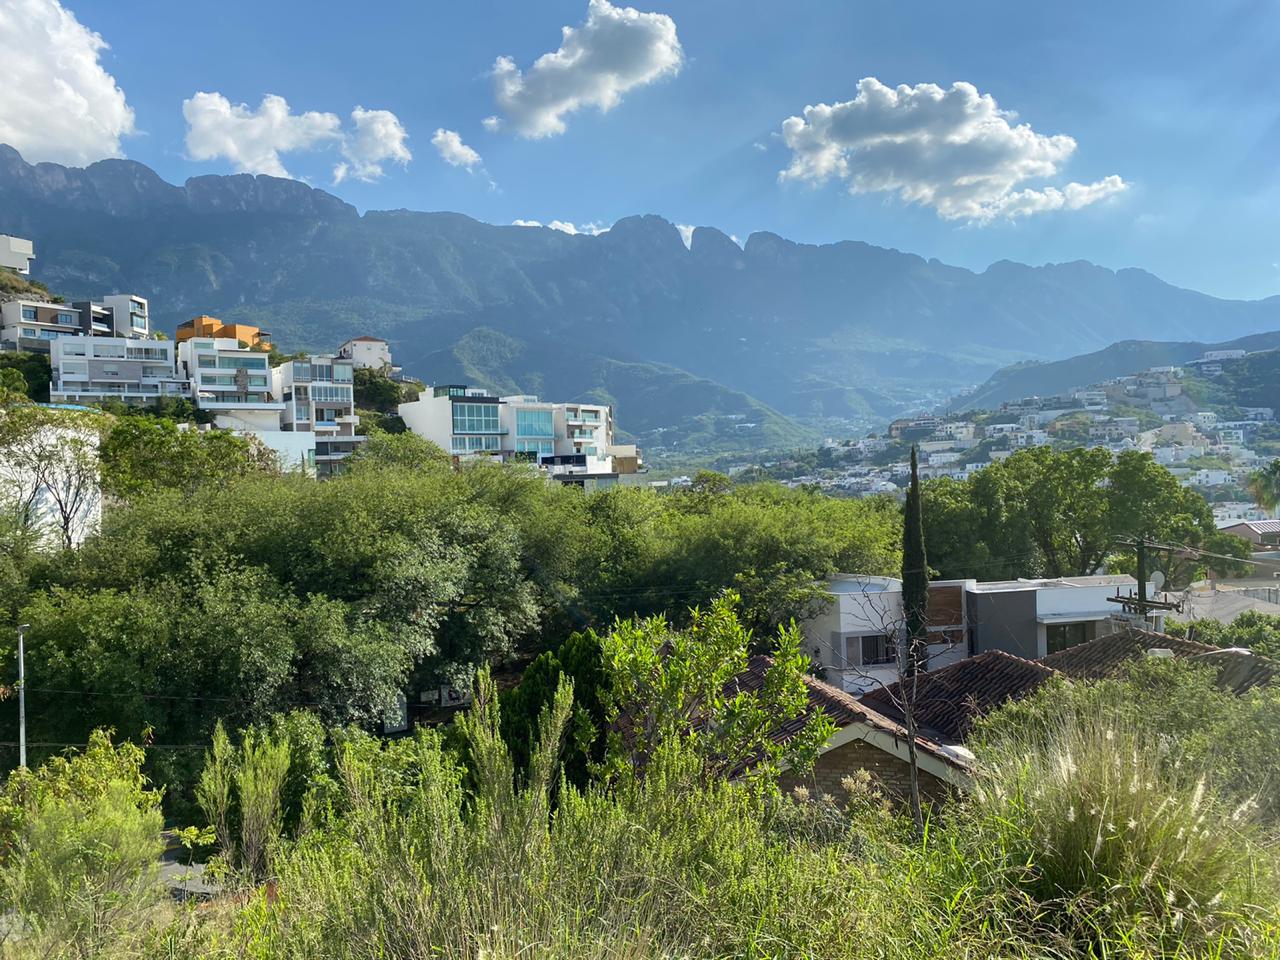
1239,670
951,698
841,707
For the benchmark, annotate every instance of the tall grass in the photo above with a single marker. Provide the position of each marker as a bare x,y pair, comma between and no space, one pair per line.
1117,841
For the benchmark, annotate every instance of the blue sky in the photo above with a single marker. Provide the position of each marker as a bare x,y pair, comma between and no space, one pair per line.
1174,110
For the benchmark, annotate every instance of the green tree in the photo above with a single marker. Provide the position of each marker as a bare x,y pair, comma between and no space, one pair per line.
1043,512
374,390
1264,486
34,370
143,454
672,698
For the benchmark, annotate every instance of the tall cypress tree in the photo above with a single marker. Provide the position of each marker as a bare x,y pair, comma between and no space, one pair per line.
915,577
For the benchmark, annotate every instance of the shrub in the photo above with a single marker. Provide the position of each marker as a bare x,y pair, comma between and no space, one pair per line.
1118,838
82,848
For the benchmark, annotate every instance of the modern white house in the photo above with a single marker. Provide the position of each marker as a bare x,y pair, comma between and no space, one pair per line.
230,382
318,402
572,442
93,369
854,638
368,353
16,254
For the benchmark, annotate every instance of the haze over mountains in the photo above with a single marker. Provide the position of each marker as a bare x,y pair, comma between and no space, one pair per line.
691,344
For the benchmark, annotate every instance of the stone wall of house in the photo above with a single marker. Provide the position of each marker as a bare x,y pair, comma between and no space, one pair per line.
891,774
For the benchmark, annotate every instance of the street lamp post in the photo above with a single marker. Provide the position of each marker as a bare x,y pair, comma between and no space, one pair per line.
22,695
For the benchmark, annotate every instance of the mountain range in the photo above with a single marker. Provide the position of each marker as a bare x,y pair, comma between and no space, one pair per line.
1118,360
704,347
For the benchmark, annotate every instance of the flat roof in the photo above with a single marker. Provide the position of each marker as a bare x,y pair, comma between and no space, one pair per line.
1055,583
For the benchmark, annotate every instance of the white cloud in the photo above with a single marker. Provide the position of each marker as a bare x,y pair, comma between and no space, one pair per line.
686,234
253,139
589,229
615,50
954,150
453,151
57,103
379,136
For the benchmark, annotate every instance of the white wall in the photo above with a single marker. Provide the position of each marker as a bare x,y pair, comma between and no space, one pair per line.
430,418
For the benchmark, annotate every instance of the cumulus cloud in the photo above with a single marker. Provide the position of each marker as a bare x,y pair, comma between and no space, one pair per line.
954,150
453,151
253,139
58,103
589,229
378,137
615,50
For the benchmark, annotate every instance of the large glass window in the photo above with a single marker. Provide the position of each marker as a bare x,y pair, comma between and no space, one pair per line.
67,319
330,393
475,418
543,448
534,423
28,313
474,444
238,363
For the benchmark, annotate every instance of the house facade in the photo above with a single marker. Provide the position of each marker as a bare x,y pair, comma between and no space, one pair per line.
572,442
318,401
94,369
854,640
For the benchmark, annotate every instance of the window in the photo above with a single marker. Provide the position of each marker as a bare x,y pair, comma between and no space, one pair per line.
67,319
534,423
139,323
474,444
301,370
543,448
869,651
322,392
1059,636
29,331
207,362
28,313
242,363
475,418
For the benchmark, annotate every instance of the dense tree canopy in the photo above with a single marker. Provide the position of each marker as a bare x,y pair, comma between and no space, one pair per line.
1053,513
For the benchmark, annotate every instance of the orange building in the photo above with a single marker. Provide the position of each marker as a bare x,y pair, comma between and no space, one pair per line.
212,327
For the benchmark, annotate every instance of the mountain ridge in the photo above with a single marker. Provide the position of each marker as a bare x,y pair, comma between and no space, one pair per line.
843,335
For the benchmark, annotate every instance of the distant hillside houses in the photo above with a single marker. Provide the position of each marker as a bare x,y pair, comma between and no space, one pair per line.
303,408
1210,444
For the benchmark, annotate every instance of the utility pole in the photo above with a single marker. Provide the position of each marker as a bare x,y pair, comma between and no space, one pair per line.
22,694
1139,604
1142,576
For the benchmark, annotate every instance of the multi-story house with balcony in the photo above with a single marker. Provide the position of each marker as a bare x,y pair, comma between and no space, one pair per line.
319,404
94,369
572,442
34,325
231,383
